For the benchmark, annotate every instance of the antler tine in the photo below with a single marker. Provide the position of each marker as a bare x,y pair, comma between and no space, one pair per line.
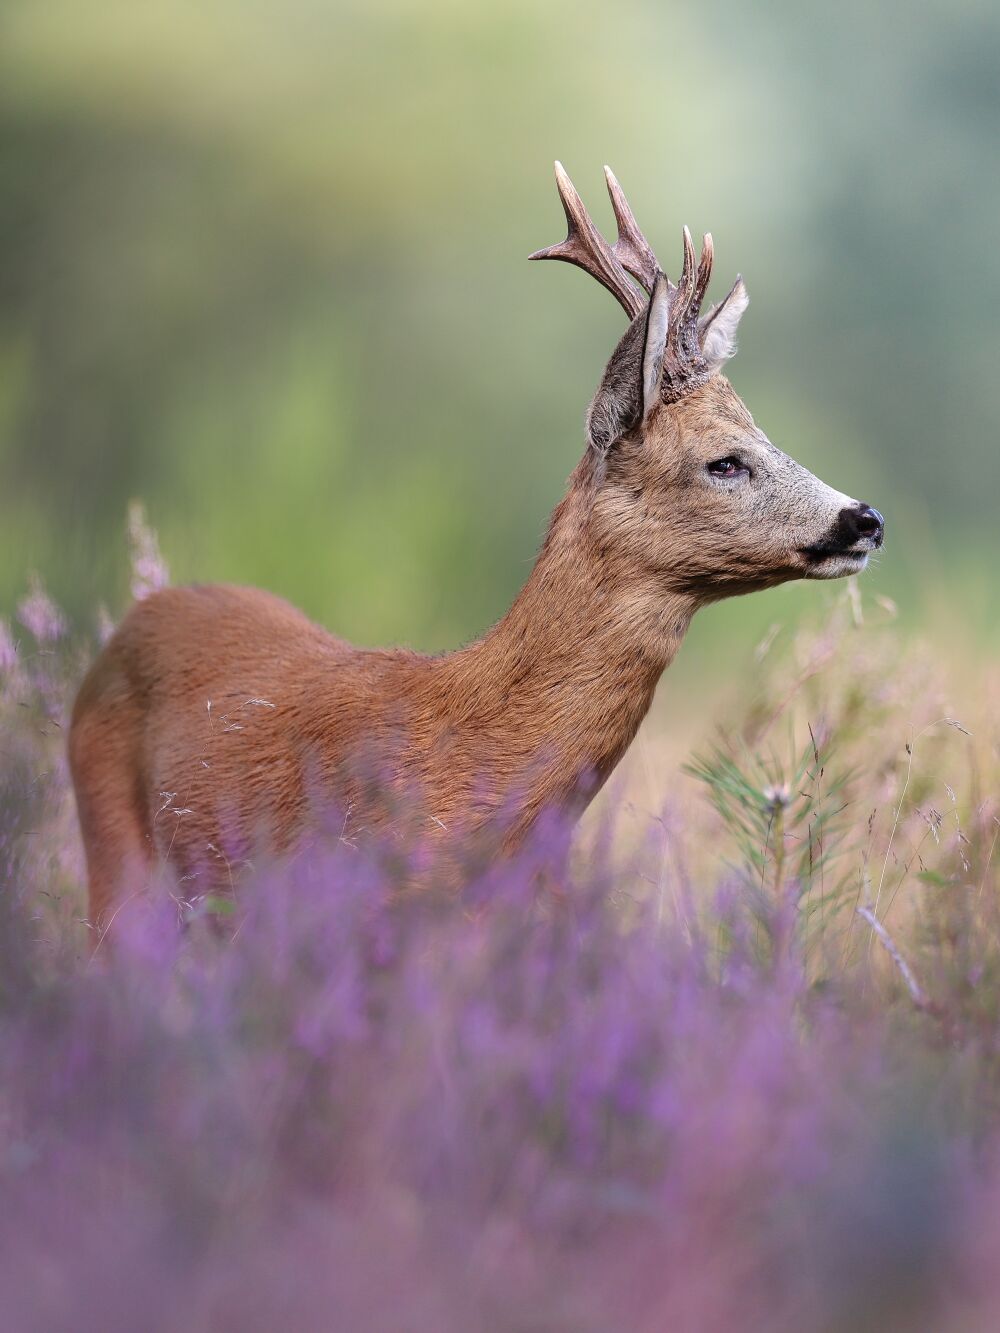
631,249
586,247
704,273
686,285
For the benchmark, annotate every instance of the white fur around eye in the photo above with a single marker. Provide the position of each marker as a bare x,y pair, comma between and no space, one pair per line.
718,339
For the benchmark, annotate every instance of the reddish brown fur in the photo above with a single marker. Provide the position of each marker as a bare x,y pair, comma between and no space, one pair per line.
534,713
218,719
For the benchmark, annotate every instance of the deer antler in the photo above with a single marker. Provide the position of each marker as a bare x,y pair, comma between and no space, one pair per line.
631,249
586,247
684,360
683,355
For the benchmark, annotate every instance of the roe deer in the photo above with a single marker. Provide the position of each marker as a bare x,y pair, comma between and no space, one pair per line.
215,713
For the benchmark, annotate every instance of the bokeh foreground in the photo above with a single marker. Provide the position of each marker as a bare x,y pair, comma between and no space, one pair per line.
736,1066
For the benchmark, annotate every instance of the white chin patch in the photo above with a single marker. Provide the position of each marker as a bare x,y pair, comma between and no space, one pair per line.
836,566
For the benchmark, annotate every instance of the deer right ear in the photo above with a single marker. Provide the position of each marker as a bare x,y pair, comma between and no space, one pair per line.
630,388
717,331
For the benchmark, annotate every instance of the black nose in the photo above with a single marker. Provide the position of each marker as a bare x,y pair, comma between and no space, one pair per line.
863,521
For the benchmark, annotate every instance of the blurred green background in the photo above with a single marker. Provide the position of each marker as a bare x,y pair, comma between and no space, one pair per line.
263,265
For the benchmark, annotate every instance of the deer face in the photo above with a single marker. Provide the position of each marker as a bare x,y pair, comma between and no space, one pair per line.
685,483
703,499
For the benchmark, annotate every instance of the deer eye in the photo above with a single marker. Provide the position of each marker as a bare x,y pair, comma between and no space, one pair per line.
728,467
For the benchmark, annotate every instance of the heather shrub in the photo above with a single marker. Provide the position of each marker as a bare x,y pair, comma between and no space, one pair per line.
731,1066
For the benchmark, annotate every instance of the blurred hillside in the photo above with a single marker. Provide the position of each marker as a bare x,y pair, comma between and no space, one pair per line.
264,266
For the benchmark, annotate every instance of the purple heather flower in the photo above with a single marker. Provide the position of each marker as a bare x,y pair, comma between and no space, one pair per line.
39,614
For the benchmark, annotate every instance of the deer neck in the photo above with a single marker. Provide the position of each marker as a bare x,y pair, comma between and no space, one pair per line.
562,683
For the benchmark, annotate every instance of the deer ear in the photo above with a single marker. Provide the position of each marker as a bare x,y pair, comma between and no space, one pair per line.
717,331
631,383
655,344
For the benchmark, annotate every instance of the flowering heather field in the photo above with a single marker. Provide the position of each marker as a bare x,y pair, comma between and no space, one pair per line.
733,1067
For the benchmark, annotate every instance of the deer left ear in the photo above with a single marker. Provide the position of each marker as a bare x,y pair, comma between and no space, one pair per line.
655,344
717,331
631,382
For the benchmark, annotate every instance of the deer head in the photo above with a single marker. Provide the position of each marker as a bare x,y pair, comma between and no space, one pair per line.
684,481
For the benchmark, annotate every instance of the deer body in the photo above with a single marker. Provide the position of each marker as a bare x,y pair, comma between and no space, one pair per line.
217,719
242,738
